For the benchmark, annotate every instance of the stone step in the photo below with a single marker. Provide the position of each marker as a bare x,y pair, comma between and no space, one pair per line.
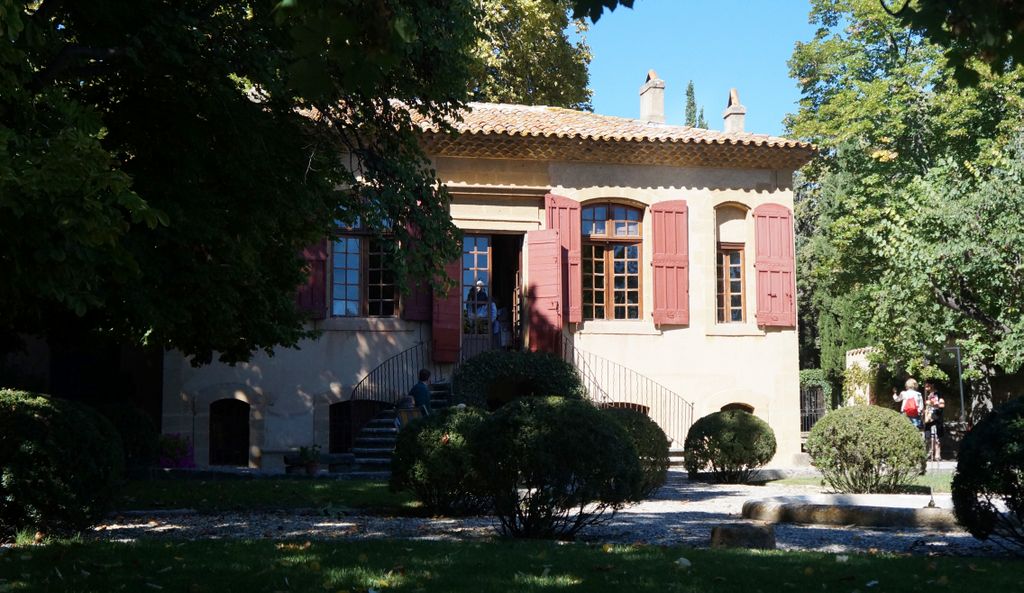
374,441
381,423
361,452
373,461
367,474
379,431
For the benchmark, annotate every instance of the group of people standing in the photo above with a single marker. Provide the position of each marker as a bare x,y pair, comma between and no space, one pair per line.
924,412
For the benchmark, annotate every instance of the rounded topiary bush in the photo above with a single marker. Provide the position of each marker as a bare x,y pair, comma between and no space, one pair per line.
139,436
866,449
554,465
651,445
988,486
730,444
60,463
496,377
433,459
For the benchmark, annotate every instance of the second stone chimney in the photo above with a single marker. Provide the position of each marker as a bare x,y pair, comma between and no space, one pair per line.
734,113
652,99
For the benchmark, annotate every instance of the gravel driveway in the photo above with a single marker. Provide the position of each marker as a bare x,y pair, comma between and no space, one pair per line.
683,512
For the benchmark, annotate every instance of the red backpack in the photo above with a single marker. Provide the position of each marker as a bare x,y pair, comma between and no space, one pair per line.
910,407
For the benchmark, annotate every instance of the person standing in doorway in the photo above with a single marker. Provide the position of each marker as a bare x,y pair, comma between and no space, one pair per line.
420,392
933,412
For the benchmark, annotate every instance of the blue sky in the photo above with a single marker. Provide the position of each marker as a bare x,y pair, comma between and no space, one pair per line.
718,44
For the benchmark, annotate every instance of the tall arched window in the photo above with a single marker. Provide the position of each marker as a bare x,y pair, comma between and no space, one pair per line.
730,264
612,235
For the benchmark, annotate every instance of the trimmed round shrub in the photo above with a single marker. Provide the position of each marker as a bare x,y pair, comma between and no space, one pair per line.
139,436
651,445
494,378
554,466
60,463
862,449
731,445
988,486
433,459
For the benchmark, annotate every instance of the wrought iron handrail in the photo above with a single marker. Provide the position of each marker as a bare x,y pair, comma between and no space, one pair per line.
394,377
611,384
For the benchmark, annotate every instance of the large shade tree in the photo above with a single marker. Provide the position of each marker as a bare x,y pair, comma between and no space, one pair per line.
162,165
899,247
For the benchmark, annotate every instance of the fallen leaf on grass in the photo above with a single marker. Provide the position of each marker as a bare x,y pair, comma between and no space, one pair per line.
808,571
842,558
684,564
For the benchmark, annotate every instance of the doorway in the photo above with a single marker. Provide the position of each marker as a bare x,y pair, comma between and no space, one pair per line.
491,294
229,432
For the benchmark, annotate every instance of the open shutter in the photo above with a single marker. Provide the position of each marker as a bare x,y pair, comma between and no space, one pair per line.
447,320
417,304
312,295
671,262
564,216
544,295
775,265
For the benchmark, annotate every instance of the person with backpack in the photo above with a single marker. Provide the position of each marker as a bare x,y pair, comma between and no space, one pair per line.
911,402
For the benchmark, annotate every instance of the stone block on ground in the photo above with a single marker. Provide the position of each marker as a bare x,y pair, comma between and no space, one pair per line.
743,535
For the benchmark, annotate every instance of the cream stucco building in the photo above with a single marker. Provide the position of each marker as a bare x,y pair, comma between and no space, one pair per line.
660,256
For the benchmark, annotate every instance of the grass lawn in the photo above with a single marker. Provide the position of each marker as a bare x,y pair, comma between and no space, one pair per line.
361,566
263,494
938,481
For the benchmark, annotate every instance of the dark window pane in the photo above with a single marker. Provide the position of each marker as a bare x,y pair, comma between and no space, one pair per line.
737,315
633,267
598,281
620,312
599,312
633,282
632,252
620,282
734,257
736,300
633,313
735,272
633,297
600,213
620,267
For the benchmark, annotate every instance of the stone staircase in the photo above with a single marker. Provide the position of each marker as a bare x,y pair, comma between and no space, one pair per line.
376,441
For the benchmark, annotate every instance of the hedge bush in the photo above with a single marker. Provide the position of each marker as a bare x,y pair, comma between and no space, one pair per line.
433,459
139,436
730,444
554,466
651,445
990,472
866,449
496,377
60,463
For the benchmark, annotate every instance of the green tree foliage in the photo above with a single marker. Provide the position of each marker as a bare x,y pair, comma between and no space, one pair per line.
693,118
907,158
595,8
524,55
989,31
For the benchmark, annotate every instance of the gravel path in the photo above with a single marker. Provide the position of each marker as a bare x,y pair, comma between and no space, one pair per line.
682,512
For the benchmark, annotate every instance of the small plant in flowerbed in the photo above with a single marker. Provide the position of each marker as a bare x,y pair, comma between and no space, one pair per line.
988,486
60,463
652,446
731,445
865,449
553,466
309,458
176,452
494,378
433,459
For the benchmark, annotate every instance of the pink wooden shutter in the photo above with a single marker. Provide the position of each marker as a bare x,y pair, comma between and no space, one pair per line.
417,304
671,262
312,295
776,266
544,295
447,322
564,216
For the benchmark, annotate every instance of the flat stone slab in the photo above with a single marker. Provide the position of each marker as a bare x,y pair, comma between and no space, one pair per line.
864,510
743,535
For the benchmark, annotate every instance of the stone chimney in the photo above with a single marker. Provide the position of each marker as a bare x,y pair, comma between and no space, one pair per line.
652,99
734,113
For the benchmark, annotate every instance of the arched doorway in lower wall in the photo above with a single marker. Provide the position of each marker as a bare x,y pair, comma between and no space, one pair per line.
346,419
738,406
229,432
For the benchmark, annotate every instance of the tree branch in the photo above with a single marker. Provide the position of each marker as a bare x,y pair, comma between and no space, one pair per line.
67,57
971,311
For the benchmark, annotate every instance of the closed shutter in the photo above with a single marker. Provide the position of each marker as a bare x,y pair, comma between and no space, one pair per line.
544,294
417,304
776,266
312,294
446,330
671,262
564,216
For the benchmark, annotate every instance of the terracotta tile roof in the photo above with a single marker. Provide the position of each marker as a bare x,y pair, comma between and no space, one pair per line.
556,122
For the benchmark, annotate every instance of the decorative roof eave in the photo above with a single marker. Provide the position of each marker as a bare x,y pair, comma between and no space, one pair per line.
719,152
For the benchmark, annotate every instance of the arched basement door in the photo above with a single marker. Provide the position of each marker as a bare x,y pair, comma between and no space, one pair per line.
738,406
229,432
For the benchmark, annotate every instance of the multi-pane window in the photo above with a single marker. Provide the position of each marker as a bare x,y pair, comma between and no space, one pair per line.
729,272
363,285
476,283
611,262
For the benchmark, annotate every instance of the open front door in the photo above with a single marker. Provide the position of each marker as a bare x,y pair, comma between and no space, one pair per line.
544,294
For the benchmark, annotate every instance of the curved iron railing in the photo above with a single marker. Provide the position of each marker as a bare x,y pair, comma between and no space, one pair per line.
610,384
394,377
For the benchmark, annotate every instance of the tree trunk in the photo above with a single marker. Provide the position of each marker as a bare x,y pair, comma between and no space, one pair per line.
981,396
